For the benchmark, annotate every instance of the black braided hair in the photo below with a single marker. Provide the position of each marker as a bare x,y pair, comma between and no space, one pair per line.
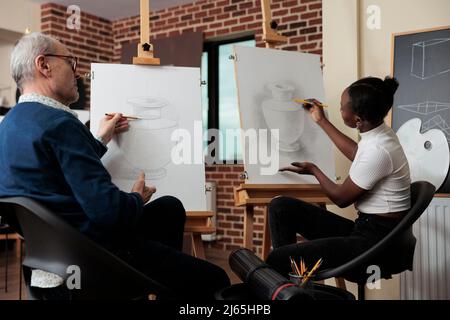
371,98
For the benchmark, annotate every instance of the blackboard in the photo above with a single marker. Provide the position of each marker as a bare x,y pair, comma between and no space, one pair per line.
421,64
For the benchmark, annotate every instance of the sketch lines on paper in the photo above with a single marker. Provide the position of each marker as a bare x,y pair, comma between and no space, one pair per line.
430,58
147,144
283,114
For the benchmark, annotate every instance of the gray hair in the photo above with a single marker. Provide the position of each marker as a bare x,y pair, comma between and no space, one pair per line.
25,52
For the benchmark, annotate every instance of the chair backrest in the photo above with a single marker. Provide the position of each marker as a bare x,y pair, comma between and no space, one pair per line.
399,241
53,245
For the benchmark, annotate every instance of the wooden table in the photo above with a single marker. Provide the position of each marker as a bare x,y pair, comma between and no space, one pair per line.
198,223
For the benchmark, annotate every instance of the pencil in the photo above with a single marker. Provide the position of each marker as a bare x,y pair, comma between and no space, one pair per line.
308,102
302,266
128,117
316,266
294,271
294,267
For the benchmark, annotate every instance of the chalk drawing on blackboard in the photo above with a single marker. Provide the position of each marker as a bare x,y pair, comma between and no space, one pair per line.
437,122
426,108
430,58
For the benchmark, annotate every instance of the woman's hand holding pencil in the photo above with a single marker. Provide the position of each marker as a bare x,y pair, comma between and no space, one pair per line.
314,107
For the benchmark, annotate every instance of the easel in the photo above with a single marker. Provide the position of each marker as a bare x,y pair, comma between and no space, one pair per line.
251,195
270,36
197,222
145,48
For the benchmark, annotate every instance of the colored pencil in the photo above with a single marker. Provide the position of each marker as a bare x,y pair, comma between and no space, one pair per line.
308,102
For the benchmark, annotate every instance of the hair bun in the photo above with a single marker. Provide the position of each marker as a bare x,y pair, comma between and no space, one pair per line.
391,85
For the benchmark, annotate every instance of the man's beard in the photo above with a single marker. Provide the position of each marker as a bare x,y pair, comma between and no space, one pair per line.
75,97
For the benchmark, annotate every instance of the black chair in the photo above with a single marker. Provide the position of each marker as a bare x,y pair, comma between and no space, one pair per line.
53,245
394,253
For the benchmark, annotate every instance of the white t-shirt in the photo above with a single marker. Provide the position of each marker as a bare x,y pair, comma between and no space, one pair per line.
381,167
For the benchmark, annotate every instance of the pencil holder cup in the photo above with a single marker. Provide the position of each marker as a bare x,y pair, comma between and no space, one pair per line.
298,280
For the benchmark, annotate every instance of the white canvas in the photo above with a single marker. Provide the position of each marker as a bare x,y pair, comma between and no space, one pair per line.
168,99
268,80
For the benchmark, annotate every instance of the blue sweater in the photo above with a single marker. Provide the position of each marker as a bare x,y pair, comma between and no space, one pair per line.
47,154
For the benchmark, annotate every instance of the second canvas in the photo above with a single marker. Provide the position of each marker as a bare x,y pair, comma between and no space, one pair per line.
268,82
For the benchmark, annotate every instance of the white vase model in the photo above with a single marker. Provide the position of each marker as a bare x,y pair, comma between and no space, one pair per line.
147,145
281,112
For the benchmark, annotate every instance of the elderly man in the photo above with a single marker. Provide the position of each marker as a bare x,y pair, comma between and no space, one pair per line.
47,154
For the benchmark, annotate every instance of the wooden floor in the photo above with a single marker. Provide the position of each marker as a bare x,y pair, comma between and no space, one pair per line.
215,256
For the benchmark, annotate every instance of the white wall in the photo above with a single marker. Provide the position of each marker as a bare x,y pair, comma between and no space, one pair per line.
352,51
18,15
340,57
15,17
397,16
7,85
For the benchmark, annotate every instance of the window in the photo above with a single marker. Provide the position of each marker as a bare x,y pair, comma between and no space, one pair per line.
220,102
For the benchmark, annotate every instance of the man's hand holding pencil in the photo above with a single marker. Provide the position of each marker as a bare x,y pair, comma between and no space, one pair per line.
110,125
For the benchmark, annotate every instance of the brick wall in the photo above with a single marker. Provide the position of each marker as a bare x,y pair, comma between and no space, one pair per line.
92,43
300,20
100,40
230,219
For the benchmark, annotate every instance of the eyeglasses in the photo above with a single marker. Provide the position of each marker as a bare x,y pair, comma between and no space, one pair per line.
73,61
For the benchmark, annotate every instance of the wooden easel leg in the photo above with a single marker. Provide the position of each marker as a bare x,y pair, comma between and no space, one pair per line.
266,236
248,227
340,283
197,246
18,245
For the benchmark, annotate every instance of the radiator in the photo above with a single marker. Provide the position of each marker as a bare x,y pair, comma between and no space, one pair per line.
211,205
430,278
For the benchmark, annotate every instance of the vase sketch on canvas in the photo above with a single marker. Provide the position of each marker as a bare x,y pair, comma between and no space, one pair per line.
282,113
146,146
164,101
268,82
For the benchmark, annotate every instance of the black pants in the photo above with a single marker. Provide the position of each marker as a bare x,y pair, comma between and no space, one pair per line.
155,250
335,239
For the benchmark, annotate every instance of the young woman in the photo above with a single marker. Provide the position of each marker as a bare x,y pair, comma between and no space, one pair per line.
378,185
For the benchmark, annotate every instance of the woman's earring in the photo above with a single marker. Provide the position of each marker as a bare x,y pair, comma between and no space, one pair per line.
358,125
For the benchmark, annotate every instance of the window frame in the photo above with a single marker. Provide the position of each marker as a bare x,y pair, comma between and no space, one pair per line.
212,48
